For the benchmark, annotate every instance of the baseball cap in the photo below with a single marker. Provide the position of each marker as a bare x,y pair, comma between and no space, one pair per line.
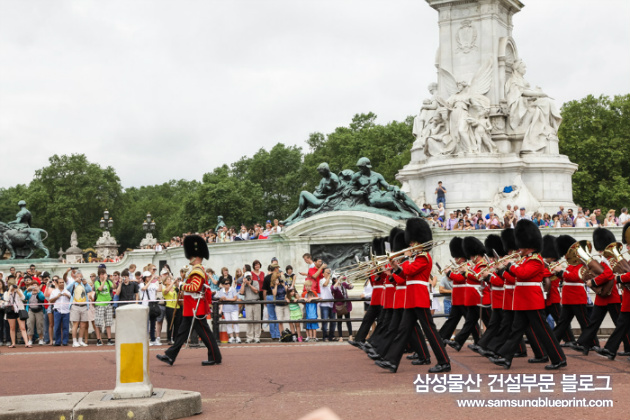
45,274
101,266
164,271
274,259
268,221
146,274
247,274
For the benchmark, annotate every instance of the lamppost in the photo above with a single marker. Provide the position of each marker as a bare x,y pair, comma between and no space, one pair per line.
148,224
106,222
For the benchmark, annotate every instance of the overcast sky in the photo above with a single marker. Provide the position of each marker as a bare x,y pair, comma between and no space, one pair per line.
171,89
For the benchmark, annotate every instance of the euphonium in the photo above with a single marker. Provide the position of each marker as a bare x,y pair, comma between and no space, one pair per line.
613,253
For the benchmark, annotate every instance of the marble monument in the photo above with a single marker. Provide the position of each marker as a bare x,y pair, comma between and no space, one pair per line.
485,132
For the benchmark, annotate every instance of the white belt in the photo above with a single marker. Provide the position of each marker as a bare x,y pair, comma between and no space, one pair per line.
193,295
378,287
527,283
389,285
459,285
509,287
495,288
574,284
424,283
401,287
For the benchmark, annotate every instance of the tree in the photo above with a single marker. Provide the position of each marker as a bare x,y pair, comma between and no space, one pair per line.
71,194
594,134
223,194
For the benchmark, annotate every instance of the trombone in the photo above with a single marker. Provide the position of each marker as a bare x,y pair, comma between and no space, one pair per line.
453,264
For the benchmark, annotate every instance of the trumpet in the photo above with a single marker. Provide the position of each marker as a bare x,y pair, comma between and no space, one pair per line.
556,264
455,267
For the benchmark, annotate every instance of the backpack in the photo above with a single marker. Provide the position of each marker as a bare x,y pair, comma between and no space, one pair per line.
286,336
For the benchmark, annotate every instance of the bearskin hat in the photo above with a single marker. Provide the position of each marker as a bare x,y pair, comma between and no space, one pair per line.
602,238
528,235
549,249
473,247
417,230
563,243
392,234
508,240
378,247
399,243
493,242
195,246
625,234
456,247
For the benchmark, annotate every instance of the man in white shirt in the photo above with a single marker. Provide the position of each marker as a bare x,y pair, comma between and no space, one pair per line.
60,298
522,215
580,220
624,216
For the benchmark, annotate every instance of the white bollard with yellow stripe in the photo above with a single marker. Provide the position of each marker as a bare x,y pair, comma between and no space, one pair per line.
132,353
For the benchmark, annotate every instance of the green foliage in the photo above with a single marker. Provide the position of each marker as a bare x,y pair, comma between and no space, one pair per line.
595,134
71,194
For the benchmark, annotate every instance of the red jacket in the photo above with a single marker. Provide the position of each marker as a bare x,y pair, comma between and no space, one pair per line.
474,286
417,273
377,282
508,293
528,293
573,290
625,301
553,295
459,288
388,296
193,289
605,277
399,295
496,283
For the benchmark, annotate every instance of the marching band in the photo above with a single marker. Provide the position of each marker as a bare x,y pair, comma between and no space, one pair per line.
511,283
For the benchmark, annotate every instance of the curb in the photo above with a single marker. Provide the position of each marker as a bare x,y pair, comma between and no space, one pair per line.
165,404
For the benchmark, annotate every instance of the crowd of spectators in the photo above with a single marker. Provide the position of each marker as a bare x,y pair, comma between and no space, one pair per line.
465,219
37,308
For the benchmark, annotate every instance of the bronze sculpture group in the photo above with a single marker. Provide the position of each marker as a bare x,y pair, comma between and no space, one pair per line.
18,234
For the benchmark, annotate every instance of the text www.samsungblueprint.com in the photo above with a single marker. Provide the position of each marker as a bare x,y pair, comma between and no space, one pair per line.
535,402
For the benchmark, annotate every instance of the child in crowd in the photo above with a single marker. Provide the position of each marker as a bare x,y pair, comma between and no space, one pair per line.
311,313
295,313
230,310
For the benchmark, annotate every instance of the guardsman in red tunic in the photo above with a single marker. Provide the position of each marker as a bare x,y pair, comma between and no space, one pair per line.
195,305
475,251
417,272
387,303
603,304
574,298
458,307
623,321
552,300
509,245
376,303
417,341
493,245
529,301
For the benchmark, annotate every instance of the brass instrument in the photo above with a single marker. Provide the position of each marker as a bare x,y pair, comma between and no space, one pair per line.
581,252
452,264
614,254
556,264
491,264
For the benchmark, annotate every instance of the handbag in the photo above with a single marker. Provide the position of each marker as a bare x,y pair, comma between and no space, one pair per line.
340,307
154,309
23,315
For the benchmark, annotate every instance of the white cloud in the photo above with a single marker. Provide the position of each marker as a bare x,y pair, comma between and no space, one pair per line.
167,90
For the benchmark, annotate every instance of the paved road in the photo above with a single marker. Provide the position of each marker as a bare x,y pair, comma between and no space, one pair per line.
287,381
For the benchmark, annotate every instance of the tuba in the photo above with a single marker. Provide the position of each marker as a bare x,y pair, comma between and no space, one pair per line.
613,253
581,252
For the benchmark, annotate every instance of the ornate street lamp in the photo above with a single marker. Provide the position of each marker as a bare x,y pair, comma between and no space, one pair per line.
148,224
106,222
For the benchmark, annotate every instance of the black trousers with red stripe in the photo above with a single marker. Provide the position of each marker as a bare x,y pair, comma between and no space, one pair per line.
381,328
492,328
555,310
370,316
501,337
596,319
471,324
203,330
536,319
416,340
457,312
410,318
622,330
567,315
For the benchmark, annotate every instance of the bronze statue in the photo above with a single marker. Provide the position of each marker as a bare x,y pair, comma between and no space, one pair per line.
365,190
328,185
20,234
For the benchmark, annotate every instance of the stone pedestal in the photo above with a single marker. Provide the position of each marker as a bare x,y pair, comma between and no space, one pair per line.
542,182
106,246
